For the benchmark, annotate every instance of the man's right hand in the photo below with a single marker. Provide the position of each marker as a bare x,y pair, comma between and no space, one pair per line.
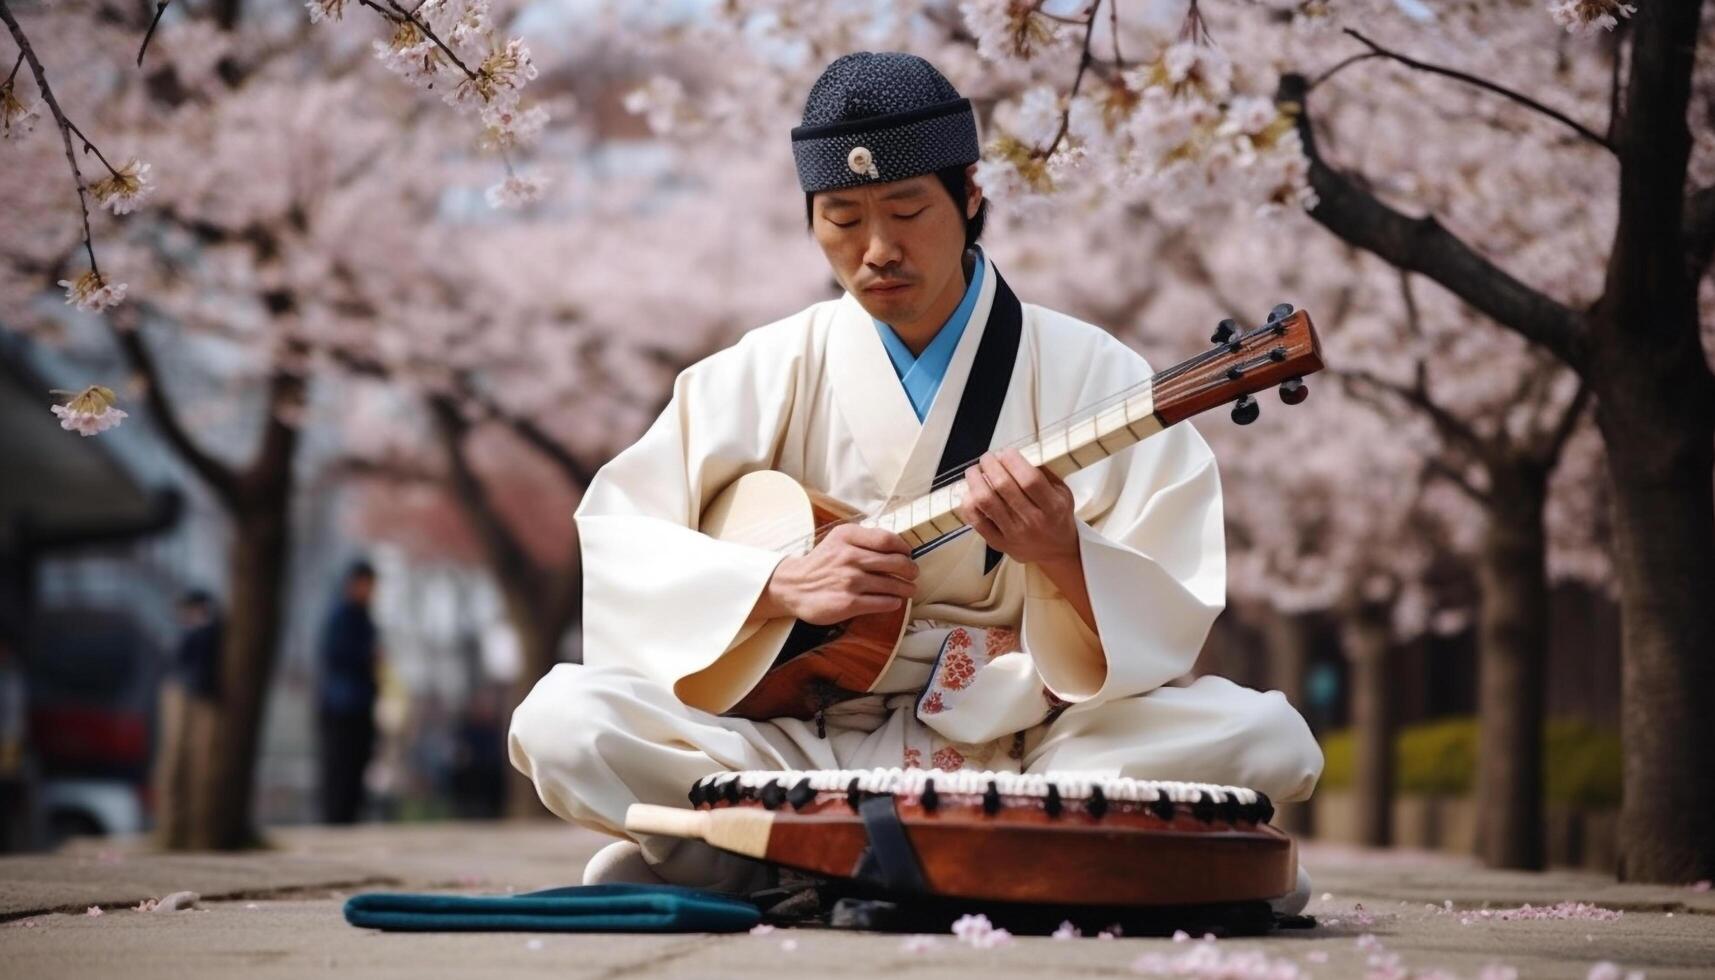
851,572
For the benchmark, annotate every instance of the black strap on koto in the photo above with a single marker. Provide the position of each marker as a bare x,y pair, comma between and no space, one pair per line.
889,861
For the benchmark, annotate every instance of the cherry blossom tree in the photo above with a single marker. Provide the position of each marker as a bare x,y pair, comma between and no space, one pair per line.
1397,128
275,145
1652,387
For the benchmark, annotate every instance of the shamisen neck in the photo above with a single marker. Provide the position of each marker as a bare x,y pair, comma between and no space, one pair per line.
1063,449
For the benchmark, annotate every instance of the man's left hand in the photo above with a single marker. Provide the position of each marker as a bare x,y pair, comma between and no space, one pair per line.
1021,511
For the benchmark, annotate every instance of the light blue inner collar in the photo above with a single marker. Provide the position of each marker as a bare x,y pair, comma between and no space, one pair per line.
921,375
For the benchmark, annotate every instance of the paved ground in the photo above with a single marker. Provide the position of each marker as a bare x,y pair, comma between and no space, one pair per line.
277,914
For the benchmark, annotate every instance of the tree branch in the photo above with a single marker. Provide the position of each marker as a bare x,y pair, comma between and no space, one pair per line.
400,14
1200,271
160,8
1537,390
1549,449
1699,231
510,559
575,470
1114,31
1450,426
1414,326
220,477
1618,48
1432,464
1084,61
1423,245
1439,467
47,93
1342,66
1487,86
270,469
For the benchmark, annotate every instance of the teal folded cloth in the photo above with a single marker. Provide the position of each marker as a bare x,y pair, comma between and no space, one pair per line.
578,908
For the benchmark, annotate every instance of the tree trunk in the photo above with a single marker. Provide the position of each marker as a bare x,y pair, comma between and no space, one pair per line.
1656,410
1289,638
1661,453
1641,351
539,645
1369,647
223,791
1512,654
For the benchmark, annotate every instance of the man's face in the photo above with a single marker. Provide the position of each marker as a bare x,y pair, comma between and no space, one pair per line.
360,588
897,247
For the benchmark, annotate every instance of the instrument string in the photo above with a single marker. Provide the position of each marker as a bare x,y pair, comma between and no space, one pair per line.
1169,391
1166,385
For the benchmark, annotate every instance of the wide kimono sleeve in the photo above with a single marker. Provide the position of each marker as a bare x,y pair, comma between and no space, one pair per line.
1153,552
659,596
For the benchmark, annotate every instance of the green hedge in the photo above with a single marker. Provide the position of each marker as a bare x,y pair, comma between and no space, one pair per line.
1440,759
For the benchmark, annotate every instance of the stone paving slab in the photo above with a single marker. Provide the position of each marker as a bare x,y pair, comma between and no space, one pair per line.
303,937
1666,932
1420,877
116,873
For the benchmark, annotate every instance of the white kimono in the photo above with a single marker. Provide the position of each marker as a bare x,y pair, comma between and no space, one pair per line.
997,670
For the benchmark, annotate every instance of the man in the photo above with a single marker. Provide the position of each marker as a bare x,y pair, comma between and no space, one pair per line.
346,697
1054,658
190,697
18,831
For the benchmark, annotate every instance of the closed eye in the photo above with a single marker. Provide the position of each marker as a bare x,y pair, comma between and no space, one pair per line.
908,217
841,224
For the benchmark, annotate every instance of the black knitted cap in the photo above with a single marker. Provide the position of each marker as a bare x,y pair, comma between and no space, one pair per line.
874,117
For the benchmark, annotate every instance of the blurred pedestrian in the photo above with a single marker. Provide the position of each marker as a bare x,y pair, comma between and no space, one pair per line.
18,824
346,696
189,699
479,772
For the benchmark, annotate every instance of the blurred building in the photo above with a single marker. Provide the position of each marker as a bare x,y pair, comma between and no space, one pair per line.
86,587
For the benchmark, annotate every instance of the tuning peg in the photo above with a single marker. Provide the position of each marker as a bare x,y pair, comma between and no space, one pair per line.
1280,312
1246,410
1293,391
1225,332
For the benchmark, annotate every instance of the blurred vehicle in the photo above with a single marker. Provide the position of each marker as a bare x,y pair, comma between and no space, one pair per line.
92,678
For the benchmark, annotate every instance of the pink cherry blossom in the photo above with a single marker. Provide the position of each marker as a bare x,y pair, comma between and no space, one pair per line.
1007,29
92,293
1209,960
16,118
1589,16
321,10
516,191
90,411
122,191
976,931
919,944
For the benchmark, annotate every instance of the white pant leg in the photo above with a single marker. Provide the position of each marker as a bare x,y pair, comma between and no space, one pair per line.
1213,731
595,740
